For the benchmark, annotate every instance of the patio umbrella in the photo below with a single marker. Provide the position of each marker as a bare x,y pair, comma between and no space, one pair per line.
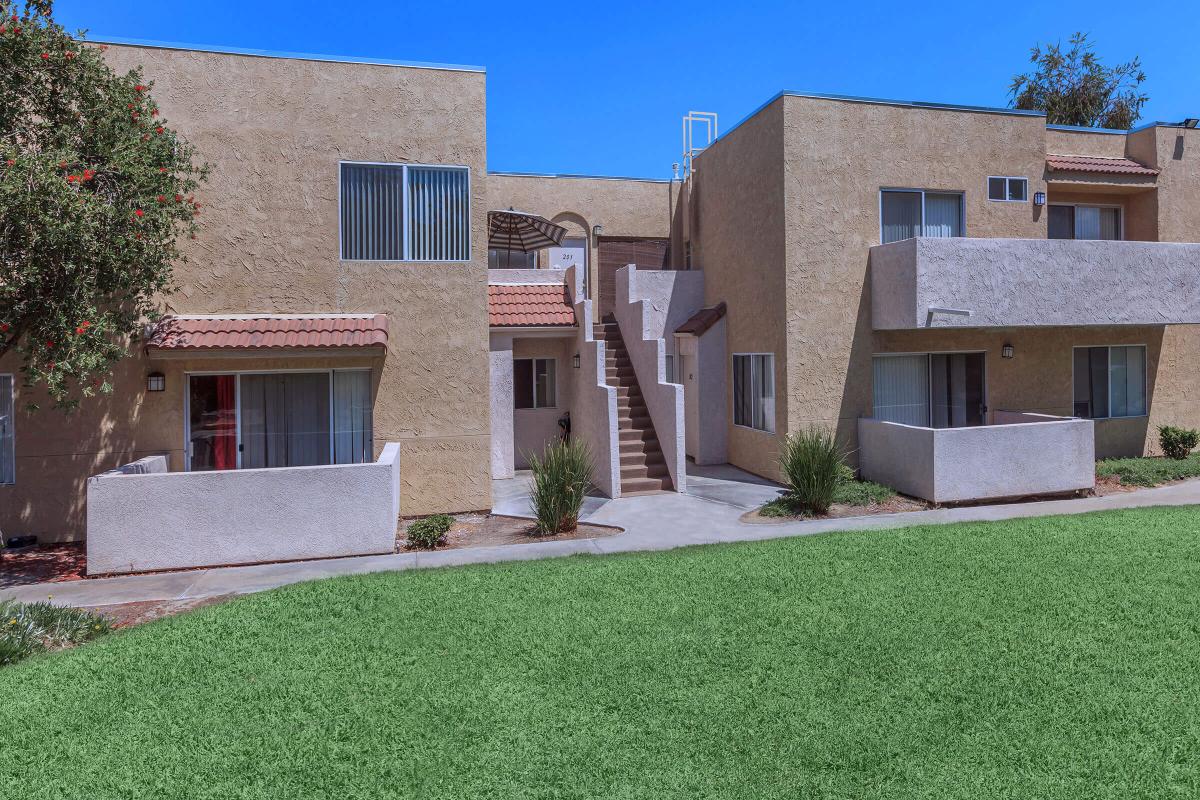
519,230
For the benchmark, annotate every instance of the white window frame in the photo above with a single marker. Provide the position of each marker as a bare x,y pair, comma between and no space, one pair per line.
1120,226
12,426
962,206
1008,198
237,403
1108,376
405,238
733,387
533,377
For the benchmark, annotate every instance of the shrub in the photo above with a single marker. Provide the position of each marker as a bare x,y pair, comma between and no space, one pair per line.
562,476
28,628
1177,443
429,532
813,467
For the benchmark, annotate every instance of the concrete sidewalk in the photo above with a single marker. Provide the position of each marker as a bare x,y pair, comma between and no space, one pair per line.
708,514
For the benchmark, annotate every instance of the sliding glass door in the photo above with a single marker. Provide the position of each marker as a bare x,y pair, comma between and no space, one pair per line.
930,390
279,419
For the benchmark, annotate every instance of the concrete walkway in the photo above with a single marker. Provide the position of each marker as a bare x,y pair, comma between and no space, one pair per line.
707,514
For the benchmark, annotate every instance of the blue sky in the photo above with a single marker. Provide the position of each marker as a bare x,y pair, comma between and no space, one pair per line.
600,88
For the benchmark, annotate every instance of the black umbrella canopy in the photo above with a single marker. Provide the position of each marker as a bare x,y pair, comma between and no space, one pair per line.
519,230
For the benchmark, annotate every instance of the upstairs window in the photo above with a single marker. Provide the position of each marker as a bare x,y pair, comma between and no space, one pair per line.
1009,190
502,258
909,213
405,212
1085,222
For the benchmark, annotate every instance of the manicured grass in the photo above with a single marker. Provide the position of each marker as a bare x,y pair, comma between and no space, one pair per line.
1149,471
850,492
1048,658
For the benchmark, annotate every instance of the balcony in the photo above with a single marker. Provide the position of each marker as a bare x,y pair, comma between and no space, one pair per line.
1019,455
1001,283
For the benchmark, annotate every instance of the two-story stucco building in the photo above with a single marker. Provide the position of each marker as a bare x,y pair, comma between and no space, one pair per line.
980,304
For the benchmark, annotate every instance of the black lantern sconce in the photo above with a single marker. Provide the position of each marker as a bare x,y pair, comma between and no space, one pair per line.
1007,351
575,361
156,382
1039,198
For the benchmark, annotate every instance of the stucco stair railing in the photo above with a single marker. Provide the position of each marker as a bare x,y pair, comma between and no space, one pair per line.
642,465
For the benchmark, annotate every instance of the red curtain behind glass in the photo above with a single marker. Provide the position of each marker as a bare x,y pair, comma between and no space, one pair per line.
225,437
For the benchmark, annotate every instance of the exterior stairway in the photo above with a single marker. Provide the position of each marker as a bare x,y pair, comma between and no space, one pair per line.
643,468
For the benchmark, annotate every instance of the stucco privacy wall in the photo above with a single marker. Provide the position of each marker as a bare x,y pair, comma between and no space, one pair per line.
501,375
1110,144
736,221
594,421
650,304
1029,282
950,465
624,206
837,157
274,130
168,520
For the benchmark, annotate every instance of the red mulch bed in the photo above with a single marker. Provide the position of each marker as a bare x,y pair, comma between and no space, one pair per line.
42,564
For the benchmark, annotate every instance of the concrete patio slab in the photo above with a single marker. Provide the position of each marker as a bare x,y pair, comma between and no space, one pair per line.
709,513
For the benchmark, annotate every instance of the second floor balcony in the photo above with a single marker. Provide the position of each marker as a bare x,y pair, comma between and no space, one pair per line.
990,283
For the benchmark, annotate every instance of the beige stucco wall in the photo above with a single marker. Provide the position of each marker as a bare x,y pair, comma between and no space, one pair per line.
736,221
623,206
274,131
1085,143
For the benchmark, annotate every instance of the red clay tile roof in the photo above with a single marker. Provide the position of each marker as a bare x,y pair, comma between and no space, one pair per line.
1110,166
511,306
702,320
269,331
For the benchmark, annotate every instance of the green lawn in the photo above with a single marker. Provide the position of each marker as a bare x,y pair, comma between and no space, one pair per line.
1048,658
1149,471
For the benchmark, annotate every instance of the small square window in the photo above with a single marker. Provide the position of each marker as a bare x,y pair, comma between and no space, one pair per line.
1012,190
534,383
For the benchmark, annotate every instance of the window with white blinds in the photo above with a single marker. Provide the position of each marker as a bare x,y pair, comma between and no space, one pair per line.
909,213
7,434
754,391
404,212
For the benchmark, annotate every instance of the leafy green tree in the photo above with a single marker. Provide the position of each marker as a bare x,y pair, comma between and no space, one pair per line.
95,191
1075,88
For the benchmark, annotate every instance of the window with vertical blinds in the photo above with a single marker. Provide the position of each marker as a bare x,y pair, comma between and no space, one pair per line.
401,212
754,391
909,213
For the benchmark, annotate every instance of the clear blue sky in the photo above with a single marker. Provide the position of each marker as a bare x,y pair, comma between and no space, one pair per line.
600,88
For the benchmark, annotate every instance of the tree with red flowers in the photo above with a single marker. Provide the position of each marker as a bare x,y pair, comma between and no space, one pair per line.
95,191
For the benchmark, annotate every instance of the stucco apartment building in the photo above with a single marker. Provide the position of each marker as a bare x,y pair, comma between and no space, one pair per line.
894,270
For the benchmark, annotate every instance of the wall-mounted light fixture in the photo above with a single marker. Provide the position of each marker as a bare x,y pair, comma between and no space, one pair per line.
1039,198
597,231
1007,351
156,382
575,361
1191,122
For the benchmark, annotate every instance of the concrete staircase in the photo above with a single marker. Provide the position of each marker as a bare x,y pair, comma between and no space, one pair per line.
643,468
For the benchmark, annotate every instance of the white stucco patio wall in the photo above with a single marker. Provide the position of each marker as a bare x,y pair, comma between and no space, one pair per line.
650,305
500,365
595,421
1010,459
141,517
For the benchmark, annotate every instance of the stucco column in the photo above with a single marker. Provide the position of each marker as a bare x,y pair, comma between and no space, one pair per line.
501,369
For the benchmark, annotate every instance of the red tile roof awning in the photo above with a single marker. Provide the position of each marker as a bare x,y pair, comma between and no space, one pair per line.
702,320
536,306
1107,166
187,334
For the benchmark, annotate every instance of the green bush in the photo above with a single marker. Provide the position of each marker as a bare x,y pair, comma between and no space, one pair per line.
1177,443
562,476
812,465
28,628
428,533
